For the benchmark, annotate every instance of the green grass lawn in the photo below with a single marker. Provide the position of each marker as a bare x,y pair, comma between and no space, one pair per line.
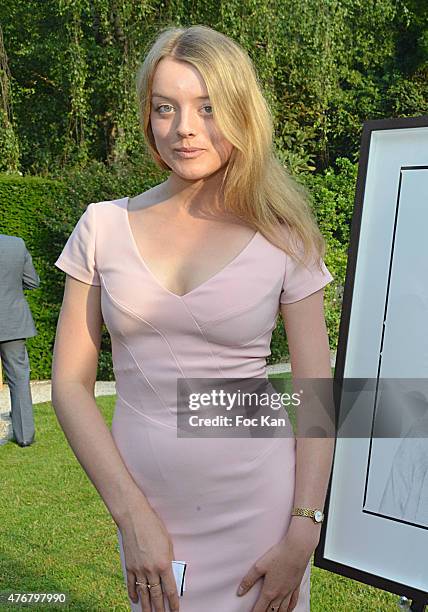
56,535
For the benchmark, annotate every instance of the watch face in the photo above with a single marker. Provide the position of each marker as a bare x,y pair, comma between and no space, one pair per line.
318,516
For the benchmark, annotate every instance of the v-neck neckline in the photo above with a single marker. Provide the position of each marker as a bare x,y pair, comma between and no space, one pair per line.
198,287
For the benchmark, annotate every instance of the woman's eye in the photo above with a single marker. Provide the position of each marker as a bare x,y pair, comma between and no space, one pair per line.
209,106
161,106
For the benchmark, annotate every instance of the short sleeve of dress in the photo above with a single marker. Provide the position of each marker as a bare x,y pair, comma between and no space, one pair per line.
78,257
301,281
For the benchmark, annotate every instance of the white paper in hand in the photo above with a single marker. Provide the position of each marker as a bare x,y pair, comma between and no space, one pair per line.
179,569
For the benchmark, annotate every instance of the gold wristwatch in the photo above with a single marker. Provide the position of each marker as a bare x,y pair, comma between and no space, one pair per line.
316,515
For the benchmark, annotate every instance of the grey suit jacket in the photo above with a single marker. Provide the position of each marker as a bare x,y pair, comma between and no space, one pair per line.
16,274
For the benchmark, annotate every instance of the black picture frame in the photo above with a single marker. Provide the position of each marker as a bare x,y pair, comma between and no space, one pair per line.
323,558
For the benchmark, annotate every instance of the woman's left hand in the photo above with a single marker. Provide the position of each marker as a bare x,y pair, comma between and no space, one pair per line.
283,567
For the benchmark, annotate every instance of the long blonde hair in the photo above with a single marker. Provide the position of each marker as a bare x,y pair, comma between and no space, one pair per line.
256,187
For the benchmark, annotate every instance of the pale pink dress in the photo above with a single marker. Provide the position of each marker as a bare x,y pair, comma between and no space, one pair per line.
224,501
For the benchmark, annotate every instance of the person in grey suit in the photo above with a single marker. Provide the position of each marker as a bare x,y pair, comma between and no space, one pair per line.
16,324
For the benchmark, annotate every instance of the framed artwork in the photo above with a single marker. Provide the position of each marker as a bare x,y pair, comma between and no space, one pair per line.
376,525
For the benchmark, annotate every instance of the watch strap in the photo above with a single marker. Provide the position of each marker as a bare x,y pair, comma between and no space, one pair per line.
303,512
306,512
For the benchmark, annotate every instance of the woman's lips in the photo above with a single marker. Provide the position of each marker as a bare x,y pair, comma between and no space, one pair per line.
188,153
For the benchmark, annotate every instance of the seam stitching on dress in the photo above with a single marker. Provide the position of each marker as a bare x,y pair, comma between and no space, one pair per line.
283,277
206,340
142,414
233,311
134,314
120,306
94,224
249,341
148,381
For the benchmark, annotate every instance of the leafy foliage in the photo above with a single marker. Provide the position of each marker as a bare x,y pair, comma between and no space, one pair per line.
325,66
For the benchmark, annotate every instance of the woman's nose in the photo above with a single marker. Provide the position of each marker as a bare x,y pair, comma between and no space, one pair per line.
185,122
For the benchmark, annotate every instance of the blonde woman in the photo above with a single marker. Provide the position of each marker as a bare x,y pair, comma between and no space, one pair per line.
189,278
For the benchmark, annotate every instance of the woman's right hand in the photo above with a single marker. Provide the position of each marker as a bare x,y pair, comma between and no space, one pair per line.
148,551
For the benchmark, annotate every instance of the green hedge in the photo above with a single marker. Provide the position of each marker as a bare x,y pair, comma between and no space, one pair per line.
44,211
